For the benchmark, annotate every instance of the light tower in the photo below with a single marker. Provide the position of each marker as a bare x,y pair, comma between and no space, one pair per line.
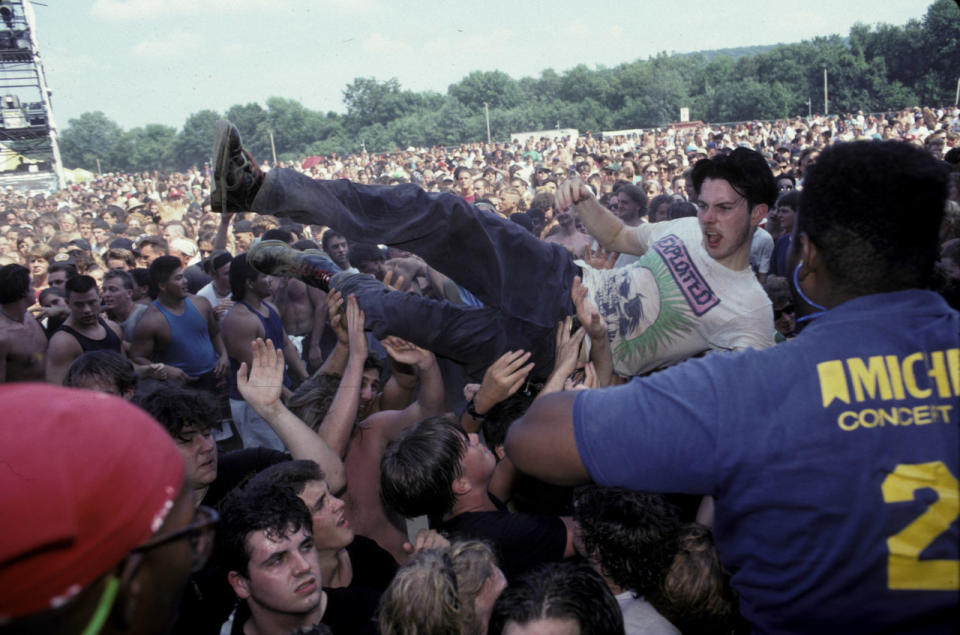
29,152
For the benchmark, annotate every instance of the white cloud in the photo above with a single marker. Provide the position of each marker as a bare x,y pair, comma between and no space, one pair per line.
173,44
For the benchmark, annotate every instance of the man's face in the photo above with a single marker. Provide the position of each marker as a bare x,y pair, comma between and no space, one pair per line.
786,215
206,248
331,529
199,452
726,223
465,183
564,216
57,279
176,285
337,250
86,230
283,573
478,461
627,209
785,318
369,393
261,286
221,276
49,300
148,253
39,267
117,263
99,234
374,267
243,241
115,295
84,307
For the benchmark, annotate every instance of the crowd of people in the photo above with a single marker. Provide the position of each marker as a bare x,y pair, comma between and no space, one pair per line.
700,379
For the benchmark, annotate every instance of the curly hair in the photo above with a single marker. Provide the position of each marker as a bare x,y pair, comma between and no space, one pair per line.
630,535
874,210
263,506
434,593
176,407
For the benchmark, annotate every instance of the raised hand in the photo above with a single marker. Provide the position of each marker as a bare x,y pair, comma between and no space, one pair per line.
587,313
503,378
261,384
601,258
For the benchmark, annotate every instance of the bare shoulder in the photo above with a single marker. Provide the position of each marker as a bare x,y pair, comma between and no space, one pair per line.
203,305
63,342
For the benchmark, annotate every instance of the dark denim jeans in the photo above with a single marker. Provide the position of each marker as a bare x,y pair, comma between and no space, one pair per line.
523,282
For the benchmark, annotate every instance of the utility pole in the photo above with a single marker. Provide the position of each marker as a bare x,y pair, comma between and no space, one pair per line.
826,108
273,148
486,111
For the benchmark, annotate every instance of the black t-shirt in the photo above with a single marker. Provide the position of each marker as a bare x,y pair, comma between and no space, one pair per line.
208,599
520,540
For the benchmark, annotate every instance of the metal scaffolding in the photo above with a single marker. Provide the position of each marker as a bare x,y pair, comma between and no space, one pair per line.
29,152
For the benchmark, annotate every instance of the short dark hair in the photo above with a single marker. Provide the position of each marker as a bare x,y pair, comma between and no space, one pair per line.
176,407
278,233
108,366
559,590
294,475
263,506
874,210
360,253
682,209
14,283
240,273
631,535
329,235
79,284
68,267
160,271
153,241
417,470
745,170
790,198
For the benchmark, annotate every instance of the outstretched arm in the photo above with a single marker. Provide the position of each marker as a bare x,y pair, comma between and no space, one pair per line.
541,443
431,399
589,317
337,426
260,386
600,222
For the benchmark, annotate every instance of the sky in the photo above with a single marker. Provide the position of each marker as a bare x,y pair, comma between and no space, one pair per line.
158,61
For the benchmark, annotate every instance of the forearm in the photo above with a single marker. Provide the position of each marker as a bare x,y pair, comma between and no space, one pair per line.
220,239
431,400
304,443
337,361
610,231
602,359
337,426
294,363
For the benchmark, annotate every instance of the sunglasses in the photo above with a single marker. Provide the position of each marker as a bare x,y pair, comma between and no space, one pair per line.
778,313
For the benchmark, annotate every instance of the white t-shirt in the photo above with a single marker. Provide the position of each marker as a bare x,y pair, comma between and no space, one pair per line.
677,301
761,249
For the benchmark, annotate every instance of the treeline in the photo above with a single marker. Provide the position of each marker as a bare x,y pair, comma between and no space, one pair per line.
872,69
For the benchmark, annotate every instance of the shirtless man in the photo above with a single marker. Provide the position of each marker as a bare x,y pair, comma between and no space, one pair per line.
573,240
83,331
23,344
303,311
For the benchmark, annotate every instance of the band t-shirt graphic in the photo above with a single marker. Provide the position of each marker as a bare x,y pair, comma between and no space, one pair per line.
676,301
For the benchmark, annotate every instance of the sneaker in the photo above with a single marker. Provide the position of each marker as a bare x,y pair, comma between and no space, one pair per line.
236,176
277,258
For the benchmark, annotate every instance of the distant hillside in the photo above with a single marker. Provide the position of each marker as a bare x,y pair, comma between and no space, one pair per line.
735,53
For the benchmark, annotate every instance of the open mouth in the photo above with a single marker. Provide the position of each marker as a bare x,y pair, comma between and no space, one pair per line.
306,588
712,239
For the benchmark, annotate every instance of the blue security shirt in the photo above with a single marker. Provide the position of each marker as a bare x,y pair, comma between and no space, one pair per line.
833,459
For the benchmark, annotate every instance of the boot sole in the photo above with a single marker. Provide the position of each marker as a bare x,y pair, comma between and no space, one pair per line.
221,163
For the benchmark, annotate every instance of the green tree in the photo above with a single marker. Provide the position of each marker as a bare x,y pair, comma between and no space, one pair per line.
151,147
89,137
193,145
496,88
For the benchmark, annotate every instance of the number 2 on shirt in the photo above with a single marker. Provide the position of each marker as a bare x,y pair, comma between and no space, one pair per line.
905,569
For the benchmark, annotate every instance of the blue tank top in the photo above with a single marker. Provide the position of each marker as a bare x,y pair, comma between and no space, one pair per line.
273,331
189,348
